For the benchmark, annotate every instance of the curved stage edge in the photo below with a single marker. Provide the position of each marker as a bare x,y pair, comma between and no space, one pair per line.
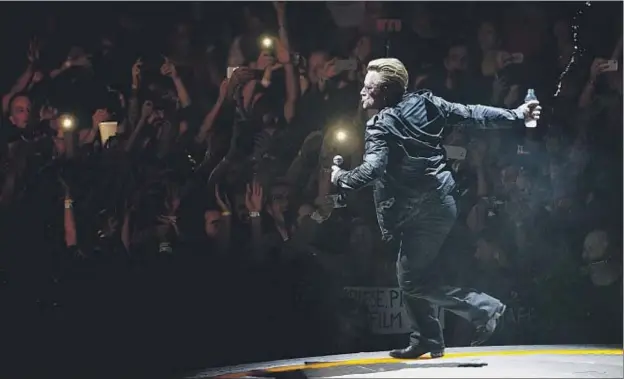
568,361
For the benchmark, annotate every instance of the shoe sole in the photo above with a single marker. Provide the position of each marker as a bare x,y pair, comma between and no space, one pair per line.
433,354
436,354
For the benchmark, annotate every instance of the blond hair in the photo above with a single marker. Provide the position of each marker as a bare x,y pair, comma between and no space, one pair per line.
393,72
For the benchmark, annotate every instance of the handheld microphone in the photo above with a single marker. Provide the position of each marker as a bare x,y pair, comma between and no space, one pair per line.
338,199
338,160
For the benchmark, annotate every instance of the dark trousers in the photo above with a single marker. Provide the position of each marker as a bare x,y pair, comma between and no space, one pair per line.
423,286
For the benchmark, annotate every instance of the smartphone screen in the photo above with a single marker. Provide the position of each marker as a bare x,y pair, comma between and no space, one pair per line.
612,65
345,65
107,130
455,152
230,71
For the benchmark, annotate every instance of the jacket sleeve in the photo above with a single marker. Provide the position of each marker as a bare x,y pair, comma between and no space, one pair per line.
480,113
375,159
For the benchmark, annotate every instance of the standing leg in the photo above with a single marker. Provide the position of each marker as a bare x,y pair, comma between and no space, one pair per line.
426,328
421,240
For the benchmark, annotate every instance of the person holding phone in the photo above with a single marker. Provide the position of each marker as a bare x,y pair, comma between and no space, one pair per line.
405,162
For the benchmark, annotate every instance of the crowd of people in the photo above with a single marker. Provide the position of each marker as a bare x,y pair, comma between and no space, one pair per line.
205,230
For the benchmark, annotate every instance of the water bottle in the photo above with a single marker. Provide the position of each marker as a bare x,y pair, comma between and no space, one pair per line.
530,96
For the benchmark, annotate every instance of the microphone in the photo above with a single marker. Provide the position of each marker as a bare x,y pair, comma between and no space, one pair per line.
338,160
339,198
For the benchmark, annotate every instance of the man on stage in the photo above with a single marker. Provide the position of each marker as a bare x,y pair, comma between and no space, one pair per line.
405,162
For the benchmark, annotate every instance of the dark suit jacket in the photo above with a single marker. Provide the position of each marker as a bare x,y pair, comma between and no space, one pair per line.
404,158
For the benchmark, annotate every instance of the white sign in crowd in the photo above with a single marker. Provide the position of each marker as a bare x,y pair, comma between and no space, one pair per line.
386,311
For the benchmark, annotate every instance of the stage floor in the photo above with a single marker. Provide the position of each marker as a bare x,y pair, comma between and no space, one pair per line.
484,362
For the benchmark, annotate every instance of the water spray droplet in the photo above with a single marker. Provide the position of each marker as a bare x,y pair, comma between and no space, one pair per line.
577,52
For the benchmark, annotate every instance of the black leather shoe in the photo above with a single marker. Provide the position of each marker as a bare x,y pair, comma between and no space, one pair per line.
485,331
413,352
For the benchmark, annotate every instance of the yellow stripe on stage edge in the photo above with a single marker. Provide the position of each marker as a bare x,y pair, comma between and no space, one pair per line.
473,354
476,354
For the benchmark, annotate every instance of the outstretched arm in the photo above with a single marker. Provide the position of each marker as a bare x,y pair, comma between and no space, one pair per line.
484,113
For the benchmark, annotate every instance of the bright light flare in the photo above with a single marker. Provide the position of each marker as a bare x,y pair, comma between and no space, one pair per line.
341,135
67,122
267,43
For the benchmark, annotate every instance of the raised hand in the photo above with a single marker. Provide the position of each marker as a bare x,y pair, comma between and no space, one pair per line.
109,228
253,197
155,116
122,100
499,87
503,59
223,202
172,202
168,220
147,109
37,77
266,62
240,77
99,116
168,69
80,61
598,66
136,73
33,50
48,113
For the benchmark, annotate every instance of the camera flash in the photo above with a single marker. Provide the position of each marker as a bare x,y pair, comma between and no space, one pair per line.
341,136
267,42
67,122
